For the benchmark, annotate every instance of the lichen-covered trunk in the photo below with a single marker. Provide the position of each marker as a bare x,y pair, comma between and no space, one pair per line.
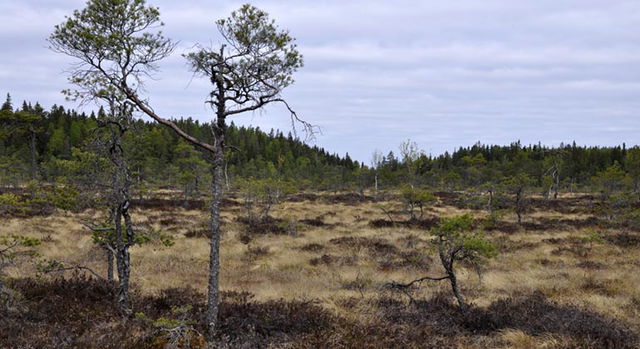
216,201
121,181
125,256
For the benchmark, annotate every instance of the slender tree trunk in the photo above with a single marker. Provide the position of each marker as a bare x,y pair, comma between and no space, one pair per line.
447,260
226,175
456,290
34,155
121,201
109,264
519,205
216,200
375,178
490,203
126,256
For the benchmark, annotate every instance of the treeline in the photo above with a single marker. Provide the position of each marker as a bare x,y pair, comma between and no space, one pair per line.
60,144
570,166
51,145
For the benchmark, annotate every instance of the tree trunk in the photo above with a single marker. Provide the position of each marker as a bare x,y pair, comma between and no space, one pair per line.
216,201
109,264
126,256
519,205
376,182
226,175
120,186
34,155
455,288
447,259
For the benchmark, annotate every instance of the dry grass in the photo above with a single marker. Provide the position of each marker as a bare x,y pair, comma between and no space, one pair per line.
603,278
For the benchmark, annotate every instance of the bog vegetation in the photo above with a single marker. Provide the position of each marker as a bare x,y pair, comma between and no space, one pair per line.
123,233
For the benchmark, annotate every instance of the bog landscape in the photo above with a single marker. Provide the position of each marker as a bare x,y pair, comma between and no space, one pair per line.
122,227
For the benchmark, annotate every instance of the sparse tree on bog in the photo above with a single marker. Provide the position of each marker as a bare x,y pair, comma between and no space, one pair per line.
517,185
416,199
247,72
613,179
455,241
115,50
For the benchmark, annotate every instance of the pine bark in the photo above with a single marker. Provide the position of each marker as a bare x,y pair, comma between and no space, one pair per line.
217,192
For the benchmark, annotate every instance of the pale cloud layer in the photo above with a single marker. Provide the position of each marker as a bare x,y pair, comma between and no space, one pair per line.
444,74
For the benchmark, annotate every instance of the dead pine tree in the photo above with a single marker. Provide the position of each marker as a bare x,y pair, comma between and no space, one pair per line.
517,185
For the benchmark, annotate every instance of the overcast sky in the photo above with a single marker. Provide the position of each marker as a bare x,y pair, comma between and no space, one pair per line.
441,73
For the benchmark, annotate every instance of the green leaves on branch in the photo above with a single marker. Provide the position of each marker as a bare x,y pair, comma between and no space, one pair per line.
416,198
256,61
115,43
458,234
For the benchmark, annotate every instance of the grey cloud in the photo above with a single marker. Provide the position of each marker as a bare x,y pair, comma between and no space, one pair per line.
377,72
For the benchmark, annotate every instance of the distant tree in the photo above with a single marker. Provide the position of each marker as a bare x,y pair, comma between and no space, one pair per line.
553,167
191,167
377,160
632,165
517,185
261,195
416,199
410,153
611,180
451,180
7,105
26,123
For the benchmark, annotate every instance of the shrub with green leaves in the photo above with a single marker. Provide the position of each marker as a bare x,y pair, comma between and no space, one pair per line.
13,248
260,195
